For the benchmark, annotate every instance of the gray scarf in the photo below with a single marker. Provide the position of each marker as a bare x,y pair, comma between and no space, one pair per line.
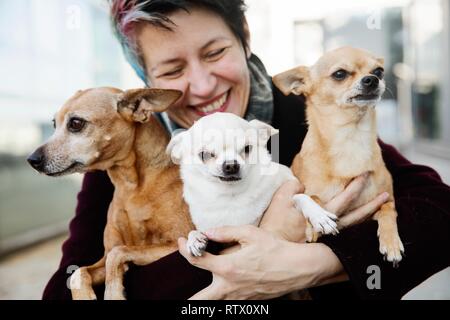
260,104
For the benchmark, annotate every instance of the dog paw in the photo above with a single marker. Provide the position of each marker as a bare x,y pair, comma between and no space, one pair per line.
324,222
196,243
391,247
114,292
79,291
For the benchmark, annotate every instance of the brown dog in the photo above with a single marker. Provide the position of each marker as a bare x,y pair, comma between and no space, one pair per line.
342,89
108,129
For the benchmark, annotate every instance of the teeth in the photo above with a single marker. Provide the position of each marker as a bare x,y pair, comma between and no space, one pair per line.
215,105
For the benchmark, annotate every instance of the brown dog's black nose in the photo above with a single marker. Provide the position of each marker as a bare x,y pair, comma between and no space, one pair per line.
36,159
370,82
230,167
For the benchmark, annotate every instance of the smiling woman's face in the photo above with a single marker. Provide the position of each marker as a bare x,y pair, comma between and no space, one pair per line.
201,57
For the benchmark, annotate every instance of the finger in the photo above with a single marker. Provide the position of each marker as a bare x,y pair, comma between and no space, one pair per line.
362,213
240,234
207,261
340,203
212,292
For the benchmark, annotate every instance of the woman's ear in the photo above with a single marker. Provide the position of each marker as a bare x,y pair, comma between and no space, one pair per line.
247,48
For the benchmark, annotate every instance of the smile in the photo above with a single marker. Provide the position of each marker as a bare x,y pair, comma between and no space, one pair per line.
218,105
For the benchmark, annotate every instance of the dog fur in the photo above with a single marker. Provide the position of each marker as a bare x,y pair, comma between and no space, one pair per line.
218,197
341,142
120,135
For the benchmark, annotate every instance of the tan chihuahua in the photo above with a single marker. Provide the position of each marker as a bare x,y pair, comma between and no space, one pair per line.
342,89
108,129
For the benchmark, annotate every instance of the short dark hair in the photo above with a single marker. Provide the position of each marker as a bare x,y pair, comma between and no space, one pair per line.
125,14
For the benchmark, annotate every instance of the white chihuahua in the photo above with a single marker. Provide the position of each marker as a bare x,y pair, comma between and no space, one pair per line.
229,177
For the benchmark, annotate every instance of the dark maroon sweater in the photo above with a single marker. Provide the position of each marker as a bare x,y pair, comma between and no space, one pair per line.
422,201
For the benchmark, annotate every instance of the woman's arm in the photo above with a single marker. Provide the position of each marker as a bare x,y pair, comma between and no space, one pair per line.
85,243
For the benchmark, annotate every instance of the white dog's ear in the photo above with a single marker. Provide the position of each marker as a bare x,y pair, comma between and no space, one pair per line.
265,131
175,146
138,104
294,81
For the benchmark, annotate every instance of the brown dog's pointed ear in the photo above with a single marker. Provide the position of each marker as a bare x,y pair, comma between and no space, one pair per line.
294,81
138,104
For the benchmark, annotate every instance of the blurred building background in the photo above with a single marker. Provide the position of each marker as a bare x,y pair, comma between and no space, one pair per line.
56,47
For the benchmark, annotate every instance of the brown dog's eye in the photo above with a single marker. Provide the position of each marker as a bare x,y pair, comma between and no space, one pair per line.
205,155
340,75
379,73
76,124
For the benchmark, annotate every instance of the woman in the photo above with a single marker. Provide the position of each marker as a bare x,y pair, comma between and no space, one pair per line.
201,47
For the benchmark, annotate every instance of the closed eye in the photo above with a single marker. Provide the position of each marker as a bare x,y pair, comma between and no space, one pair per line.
215,54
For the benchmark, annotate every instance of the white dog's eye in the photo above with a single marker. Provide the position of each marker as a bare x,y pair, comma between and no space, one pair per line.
205,155
247,149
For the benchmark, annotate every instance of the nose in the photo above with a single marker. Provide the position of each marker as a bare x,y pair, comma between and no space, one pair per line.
36,159
201,81
230,167
370,82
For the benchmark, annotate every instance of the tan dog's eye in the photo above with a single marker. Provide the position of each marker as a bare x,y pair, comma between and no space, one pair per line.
205,155
76,124
340,75
379,73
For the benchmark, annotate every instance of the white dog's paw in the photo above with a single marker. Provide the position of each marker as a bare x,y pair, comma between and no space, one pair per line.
196,243
324,222
321,220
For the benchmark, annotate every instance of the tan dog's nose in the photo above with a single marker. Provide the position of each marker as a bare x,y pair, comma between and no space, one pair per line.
370,82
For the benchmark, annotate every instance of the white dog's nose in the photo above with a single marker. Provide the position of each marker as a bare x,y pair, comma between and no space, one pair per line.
230,167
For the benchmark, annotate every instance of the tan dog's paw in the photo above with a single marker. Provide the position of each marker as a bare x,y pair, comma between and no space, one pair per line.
391,247
196,243
79,291
114,291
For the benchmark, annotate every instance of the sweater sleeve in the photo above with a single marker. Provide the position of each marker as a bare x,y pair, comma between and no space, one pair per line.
85,243
423,205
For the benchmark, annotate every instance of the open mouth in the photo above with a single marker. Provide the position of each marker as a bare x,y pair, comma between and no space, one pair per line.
72,168
229,178
219,104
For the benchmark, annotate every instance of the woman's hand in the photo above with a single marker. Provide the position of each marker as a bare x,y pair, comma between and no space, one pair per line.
268,266
265,266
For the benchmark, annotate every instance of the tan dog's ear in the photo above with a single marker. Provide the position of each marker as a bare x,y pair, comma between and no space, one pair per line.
294,81
265,131
175,146
138,104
